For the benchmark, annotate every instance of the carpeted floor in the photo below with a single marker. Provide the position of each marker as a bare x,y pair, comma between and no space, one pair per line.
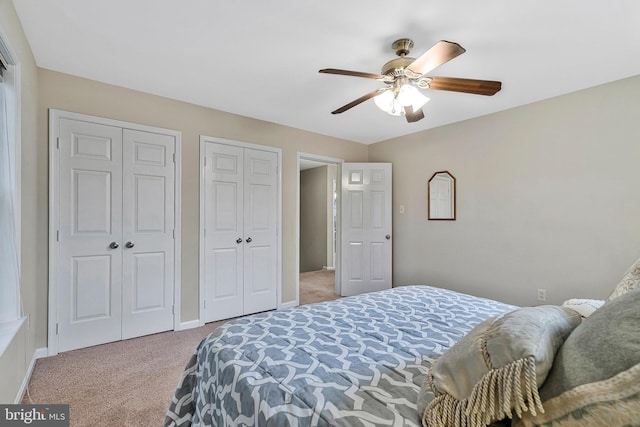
317,286
130,383
126,383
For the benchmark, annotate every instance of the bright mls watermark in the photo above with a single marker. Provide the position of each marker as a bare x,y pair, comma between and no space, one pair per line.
34,415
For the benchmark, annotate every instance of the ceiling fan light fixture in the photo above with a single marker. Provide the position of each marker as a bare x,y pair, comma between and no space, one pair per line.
409,95
388,102
393,102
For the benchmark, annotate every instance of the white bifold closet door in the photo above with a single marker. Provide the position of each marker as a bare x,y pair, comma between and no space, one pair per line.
116,227
241,255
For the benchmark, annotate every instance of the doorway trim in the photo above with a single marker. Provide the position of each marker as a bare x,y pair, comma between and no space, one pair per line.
328,161
54,213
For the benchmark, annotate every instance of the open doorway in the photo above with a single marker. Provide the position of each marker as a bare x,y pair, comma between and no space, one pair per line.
318,227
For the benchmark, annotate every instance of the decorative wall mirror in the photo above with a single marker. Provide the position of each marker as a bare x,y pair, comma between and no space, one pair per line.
441,196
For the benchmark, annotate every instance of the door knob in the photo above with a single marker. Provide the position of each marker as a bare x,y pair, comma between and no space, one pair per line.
114,245
249,240
129,244
388,237
239,240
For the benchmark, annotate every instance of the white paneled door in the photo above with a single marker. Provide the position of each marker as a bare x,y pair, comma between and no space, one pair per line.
366,227
147,233
240,231
224,232
90,266
260,230
116,223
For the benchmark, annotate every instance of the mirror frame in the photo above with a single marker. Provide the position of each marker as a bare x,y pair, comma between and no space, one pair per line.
453,194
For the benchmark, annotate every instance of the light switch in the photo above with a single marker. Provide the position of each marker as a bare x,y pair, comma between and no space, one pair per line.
401,209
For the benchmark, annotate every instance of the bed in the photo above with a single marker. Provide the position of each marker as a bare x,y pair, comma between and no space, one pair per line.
357,361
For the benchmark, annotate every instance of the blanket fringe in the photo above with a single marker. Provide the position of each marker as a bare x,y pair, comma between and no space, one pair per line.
496,396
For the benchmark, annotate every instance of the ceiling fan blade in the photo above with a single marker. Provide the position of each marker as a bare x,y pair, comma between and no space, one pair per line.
478,87
359,101
441,52
413,116
352,73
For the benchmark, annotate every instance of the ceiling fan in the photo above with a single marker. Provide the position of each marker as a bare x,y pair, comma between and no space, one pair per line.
404,76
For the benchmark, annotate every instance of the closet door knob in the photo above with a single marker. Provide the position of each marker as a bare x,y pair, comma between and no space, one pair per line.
249,240
129,245
114,245
388,237
239,240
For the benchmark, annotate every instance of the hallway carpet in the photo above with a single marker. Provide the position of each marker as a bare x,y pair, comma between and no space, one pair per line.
317,286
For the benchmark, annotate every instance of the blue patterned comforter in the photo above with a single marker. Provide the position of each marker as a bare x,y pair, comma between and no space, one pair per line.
357,361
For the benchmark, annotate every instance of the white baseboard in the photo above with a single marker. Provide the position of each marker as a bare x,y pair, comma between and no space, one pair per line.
288,304
39,353
189,325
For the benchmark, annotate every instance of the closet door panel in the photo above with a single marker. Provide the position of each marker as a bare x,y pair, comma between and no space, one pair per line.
260,229
148,233
90,212
224,232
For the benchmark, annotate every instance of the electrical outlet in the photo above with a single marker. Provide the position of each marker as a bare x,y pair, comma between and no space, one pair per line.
542,294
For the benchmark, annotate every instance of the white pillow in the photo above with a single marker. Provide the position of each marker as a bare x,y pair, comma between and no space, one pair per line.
583,306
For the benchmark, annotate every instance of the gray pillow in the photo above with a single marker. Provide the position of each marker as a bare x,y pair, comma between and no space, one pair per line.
496,368
595,379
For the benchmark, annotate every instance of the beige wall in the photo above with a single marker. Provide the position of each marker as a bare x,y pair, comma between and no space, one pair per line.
547,198
65,92
15,361
313,219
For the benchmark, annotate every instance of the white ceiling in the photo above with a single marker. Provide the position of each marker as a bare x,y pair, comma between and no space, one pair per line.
261,58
